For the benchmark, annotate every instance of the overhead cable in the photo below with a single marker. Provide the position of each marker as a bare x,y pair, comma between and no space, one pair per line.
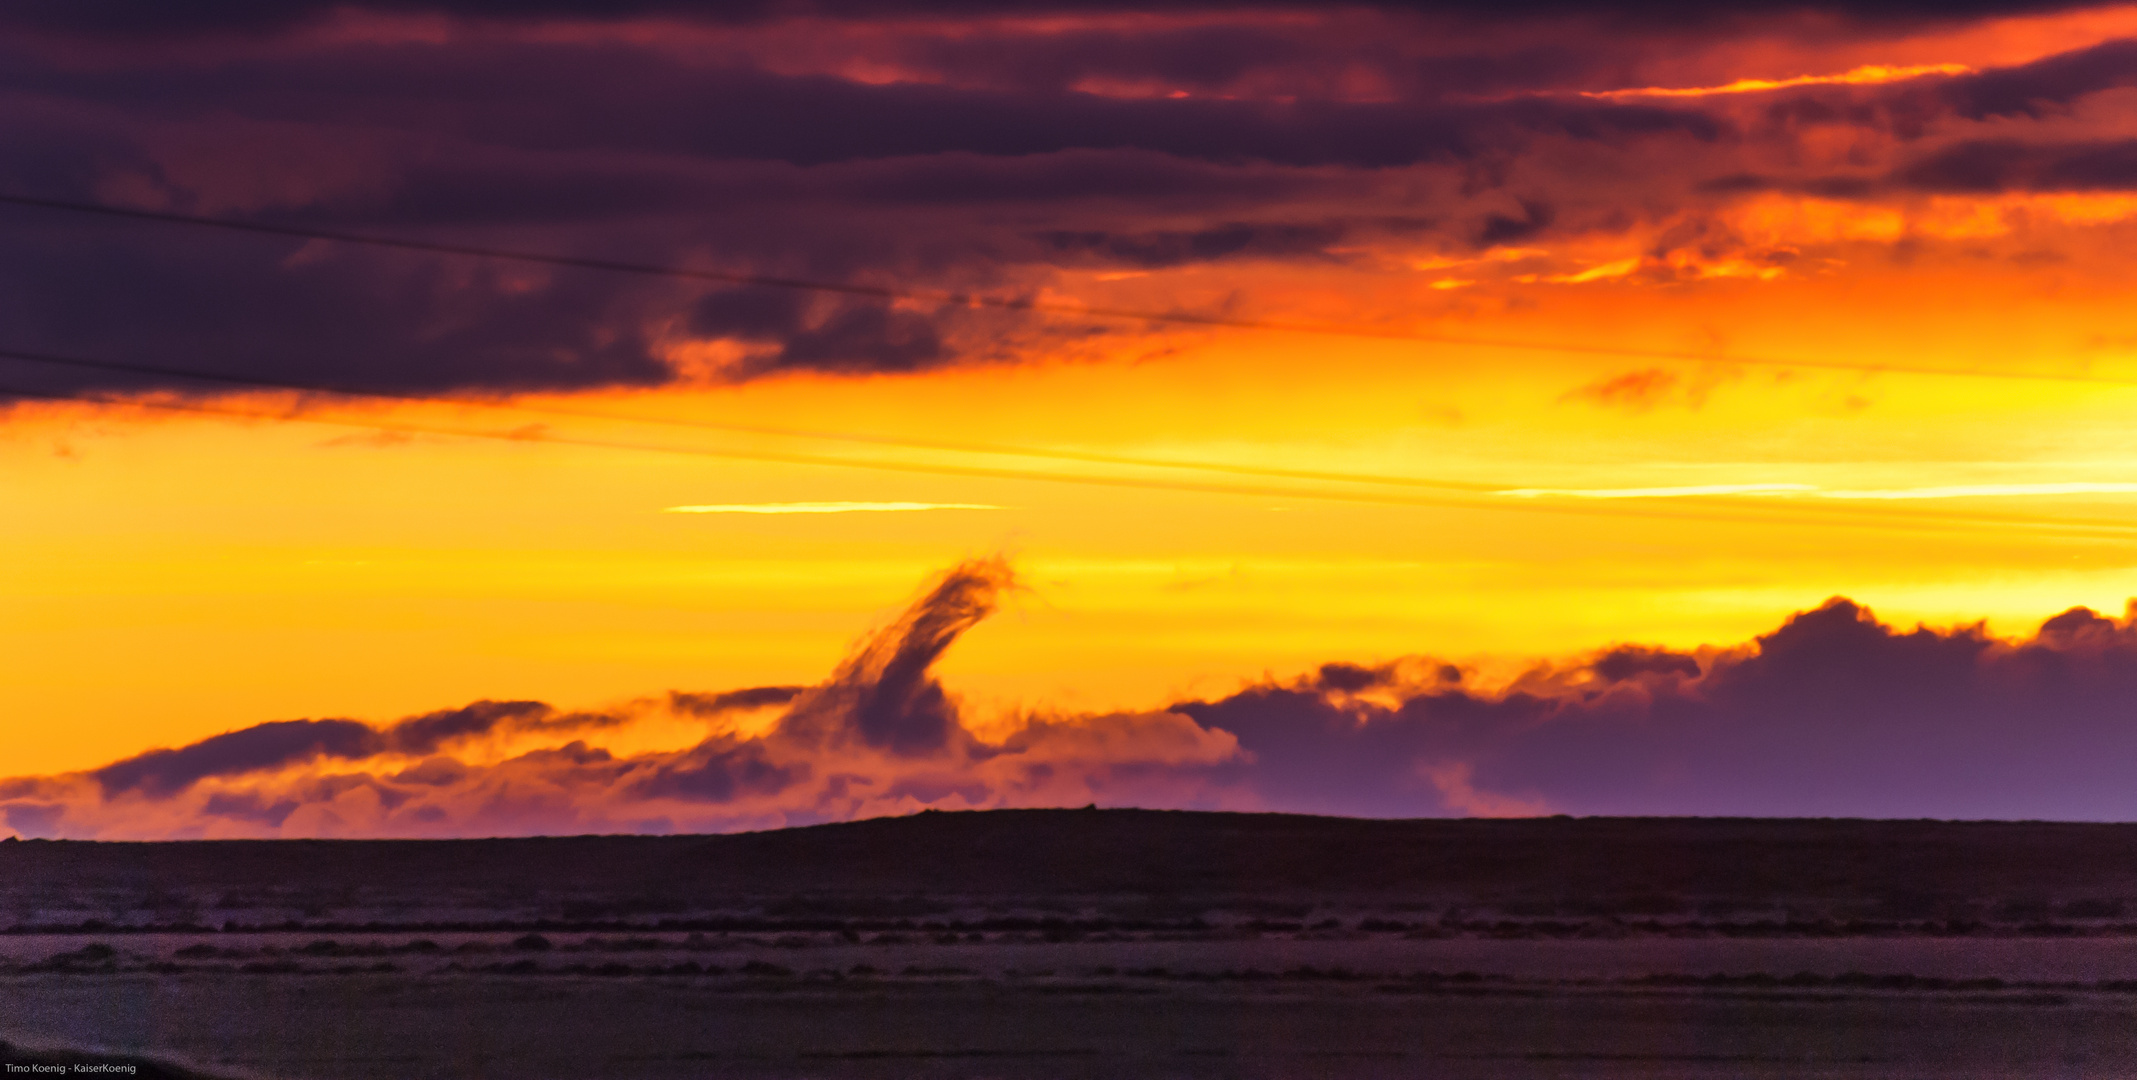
1021,303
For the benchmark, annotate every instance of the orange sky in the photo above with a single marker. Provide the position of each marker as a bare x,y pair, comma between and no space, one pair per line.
1660,386
243,570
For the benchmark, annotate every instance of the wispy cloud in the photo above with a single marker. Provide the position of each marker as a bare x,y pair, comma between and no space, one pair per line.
1945,491
1866,74
1972,491
1658,492
823,507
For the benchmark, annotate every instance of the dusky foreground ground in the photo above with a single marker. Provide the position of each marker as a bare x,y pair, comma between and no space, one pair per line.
1118,943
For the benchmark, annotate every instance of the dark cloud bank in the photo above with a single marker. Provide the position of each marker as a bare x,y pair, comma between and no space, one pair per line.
131,18
1832,714
990,164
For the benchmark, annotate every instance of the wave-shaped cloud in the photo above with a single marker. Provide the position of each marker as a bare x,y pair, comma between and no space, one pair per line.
1832,713
880,736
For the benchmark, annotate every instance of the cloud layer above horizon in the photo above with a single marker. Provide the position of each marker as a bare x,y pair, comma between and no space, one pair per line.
1083,151
1832,714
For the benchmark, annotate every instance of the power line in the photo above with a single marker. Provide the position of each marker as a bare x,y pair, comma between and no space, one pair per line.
1011,303
1853,514
1850,516
169,371
297,386
537,436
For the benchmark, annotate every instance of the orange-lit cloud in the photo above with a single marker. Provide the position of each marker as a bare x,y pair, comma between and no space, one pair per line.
881,736
1086,160
1833,713
1868,74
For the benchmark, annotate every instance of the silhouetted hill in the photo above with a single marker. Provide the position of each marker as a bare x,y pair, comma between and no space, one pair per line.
1215,854
1171,858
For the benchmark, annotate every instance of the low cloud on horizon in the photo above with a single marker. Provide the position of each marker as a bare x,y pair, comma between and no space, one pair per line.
1833,713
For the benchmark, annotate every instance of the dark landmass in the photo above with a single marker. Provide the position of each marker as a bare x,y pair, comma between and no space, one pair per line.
1087,943
1161,864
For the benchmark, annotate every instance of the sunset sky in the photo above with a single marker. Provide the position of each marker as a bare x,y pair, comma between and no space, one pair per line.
1294,407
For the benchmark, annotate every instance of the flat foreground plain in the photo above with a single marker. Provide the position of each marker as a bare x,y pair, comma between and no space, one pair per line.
1071,944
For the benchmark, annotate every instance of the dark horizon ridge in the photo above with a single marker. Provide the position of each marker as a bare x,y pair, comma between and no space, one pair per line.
1168,855
1498,821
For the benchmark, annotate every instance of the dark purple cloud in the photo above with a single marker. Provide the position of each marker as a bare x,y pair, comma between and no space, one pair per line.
1632,661
32,819
718,771
605,149
881,728
1507,229
1996,165
755,697
988,161
1231,240
886,696
134,19
884,699
249,806
2045,85
1975,167
1918,110
261,747
1833,714
284,743
1351,678
805,332
613,99
432,731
